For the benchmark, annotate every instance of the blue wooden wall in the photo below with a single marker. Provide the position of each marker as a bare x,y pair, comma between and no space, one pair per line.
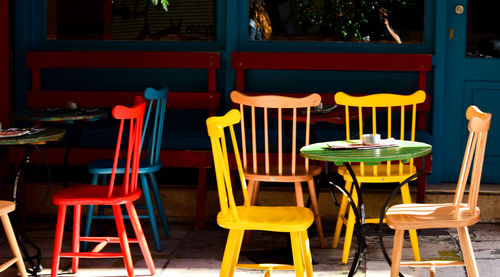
232,35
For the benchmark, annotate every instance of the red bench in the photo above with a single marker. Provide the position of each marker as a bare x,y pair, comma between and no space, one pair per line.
418,63
208,100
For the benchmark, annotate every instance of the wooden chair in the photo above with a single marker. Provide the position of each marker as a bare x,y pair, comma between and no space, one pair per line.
447,215
114,194
390,172
294,220
5,208
152,135
259,168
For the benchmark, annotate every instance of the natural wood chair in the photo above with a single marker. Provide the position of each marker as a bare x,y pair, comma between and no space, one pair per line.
238,218
259,167
387,106
447,215
5,208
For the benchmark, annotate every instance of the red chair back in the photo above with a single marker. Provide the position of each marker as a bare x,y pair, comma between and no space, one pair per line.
134,116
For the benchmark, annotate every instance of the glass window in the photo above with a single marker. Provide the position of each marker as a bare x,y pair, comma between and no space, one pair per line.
131,20
483,33
389,21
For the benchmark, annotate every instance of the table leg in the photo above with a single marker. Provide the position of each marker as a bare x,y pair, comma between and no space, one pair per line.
76,132
358,214
22,239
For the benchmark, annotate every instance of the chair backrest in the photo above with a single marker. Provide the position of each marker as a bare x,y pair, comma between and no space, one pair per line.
154,122
479,124
134,116
385,104
216,126
280,108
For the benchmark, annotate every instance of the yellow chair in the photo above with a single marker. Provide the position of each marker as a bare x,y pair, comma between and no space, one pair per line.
259,167
447,215
237,219
396,171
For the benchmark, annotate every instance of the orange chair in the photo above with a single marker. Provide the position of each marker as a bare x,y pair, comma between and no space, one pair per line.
391,172
281,171
293,220
114,195
5,208
447,215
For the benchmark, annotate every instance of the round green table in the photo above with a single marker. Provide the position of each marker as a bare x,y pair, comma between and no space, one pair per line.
405,151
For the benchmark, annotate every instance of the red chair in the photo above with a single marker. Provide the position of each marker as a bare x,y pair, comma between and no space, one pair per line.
113,195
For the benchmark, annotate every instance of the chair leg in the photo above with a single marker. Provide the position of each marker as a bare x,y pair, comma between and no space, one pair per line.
253,191
306,253
100,209
467,252
298,261
136,224
122,234
159,204
405,195
317,216
299,195
11,237
151,211
341,216
351,221
77,212
61,216
88,225
397,250
231,253
89,216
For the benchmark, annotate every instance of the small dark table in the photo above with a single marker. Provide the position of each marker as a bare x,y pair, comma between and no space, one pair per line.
30,141
406,151
70,116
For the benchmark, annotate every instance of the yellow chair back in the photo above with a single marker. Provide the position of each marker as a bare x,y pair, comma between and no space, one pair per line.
215,126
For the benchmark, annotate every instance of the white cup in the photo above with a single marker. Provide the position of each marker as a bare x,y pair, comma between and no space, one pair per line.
370,139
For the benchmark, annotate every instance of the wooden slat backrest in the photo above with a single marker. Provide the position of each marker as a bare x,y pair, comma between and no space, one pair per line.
479,124
216,130
385,102
280,105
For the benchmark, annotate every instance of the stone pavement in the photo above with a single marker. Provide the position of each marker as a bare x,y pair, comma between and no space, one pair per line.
190,253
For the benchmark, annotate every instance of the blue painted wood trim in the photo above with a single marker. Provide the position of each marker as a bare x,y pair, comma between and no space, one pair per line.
439,63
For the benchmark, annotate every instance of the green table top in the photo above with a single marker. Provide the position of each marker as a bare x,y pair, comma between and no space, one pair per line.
48,134
61,114
407,150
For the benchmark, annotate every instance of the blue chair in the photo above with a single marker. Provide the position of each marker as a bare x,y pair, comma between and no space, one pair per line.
152,135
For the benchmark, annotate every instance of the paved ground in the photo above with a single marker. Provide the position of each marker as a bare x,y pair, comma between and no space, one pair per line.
189,253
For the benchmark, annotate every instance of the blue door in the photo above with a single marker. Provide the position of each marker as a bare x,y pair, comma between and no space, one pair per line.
472,77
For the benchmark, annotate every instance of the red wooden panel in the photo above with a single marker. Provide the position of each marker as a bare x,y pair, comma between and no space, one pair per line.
123,59
82,156
108,99
331,61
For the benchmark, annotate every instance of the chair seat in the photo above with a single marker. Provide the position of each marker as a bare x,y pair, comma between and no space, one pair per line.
381,177
275,219
425,216
93,195
301,175
105,166
6,207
